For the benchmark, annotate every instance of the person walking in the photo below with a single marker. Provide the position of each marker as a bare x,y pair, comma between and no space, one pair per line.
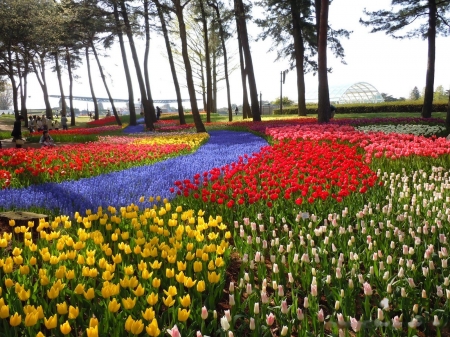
17,132
236,111
64,122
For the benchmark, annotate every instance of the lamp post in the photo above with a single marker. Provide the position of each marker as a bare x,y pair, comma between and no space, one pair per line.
282,79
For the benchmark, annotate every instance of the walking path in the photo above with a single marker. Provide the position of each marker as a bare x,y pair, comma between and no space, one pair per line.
127,186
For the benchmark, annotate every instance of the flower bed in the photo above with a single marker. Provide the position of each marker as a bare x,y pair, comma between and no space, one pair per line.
327,240
412,129
56,164
112,271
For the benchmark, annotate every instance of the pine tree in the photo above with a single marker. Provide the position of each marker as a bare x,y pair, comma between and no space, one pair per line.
428,18
414,95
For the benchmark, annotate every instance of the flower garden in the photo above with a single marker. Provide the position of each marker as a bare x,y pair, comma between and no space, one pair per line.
290,228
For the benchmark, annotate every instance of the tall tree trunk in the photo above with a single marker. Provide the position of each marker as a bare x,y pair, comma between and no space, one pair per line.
69,68
39,70
113,107
171,62
202,77
23,88
147,49
94,98
242,26
208,64
214,82
324,97
187,64
131,106
61,88
15,90
246,111
299,49
147,102
429,85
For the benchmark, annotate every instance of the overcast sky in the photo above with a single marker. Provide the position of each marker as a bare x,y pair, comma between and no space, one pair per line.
393,66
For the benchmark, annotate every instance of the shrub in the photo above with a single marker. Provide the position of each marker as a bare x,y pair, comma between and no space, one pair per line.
403,106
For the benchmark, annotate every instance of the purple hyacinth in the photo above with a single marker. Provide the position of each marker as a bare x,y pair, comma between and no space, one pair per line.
127,186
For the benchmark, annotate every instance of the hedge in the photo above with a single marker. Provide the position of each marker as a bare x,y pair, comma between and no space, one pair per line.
368,108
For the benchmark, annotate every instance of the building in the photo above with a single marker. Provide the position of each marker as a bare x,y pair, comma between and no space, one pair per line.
360,92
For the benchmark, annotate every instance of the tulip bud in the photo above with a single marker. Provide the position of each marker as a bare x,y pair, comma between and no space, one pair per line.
204,313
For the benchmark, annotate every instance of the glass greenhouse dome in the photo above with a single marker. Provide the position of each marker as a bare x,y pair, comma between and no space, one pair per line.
360,92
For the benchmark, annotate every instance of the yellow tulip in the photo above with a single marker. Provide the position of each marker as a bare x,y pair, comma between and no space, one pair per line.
40,334
93,322
133,283
128,323
185,301
60,272
139,291
146,274
156,264
213,277
92,331
149,314
152,329
4,311
31,319
70,274
129,270
201,286
51,322
219,262
152,299
73,312
90,294
168,301
65,328
93,272
180,277
24,270
117,258
211,265
172,291
107,275
79,289
9,283
113,306
53,293
81,260
156,282
205,257
24,295
189,283
15,320
44,280
61,308
17,251
183,314
129,303
198,266
40,312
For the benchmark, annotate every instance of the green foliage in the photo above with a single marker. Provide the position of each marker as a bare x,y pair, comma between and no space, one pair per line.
440,94
286,101
414,95
398,106
66,138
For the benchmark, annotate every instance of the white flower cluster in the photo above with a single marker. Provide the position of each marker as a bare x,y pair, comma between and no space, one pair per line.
413,129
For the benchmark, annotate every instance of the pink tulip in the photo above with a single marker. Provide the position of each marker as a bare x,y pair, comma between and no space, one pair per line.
174,332
356,326
270,319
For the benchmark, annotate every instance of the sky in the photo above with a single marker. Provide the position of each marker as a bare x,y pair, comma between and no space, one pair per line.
392,66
